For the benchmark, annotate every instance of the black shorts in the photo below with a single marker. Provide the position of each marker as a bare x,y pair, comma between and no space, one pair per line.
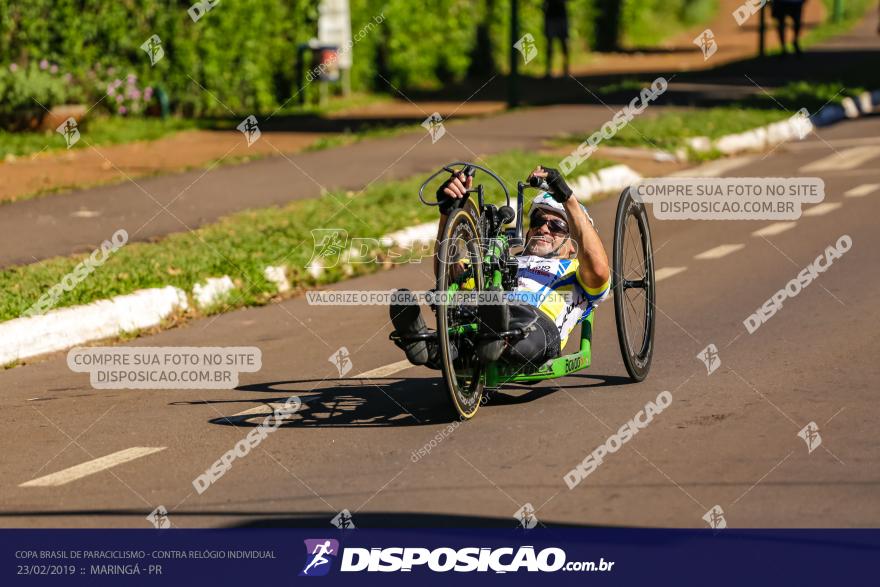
540,345
556,28
780,10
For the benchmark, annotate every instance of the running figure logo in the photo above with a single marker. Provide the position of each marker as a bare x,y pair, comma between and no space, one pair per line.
715,518
810,435
710,358
68,129
706,42
527,47
526,516
320,552
250,129
153,48
343,519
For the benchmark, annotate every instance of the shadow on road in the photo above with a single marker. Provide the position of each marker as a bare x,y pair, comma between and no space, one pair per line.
376,402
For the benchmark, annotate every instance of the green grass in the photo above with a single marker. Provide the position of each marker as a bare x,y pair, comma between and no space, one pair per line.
649,26
243,244
96,131
853,12
109,130
670,130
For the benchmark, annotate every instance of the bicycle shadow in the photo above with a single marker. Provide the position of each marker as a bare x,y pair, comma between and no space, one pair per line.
370,402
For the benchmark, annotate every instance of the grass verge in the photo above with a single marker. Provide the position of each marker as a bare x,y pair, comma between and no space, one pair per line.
243,244
100,131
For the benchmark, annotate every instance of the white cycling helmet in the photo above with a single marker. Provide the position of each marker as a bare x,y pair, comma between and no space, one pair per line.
545,201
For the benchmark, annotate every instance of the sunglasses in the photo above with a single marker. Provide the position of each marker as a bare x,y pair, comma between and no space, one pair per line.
556,225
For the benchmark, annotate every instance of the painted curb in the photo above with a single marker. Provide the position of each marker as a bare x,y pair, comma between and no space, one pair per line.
68,327
212,290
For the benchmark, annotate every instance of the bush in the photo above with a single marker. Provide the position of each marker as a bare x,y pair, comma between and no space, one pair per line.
244,52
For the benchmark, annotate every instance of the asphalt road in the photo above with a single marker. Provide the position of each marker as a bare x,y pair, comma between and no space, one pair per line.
728,439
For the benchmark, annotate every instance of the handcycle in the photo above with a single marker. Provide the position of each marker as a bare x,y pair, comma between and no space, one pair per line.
477,237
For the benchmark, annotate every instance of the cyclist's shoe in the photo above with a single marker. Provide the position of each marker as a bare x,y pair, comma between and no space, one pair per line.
434,359
407,321
493,319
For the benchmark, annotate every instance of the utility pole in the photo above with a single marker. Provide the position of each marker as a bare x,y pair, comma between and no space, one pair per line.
762,28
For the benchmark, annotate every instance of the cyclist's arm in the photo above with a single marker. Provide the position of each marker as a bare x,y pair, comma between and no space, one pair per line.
592,260
452,188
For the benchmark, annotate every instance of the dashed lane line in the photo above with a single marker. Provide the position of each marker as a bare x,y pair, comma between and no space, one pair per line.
862,190
385,370
843,160
719,251
92,467
774,229
666,272
822,209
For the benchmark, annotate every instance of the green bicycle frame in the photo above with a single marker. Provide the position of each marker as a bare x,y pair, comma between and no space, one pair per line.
498,373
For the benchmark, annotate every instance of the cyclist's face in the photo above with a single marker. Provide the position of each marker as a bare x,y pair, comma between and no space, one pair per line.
548,232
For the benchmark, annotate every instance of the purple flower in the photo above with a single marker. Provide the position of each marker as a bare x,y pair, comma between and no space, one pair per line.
53,69
111,91
44,64
13,67
119,99
134,94
148,93
122,110
132,78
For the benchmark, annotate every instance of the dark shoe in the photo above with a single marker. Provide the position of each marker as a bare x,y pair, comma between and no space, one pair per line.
494,319
434,359
407,321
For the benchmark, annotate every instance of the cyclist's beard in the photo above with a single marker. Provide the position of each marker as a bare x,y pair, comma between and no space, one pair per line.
539,247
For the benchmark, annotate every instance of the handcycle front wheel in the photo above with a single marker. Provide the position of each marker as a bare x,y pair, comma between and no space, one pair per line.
633,286
463,376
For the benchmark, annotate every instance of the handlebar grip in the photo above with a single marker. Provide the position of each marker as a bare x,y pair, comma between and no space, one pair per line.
469,170
539,182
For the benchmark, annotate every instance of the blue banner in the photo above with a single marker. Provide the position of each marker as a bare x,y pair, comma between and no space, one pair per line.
615,556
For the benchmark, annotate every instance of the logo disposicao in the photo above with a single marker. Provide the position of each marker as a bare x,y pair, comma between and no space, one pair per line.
320,554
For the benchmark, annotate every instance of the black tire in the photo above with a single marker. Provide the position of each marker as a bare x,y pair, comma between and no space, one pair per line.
463,376
633,272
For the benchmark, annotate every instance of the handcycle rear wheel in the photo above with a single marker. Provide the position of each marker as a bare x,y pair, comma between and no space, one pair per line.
633,286
463,376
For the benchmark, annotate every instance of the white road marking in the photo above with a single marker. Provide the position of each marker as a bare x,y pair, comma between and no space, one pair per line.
719,251
823,208
268,408
385,371
862,190
714,168
842,160
664,272
94,466
775,228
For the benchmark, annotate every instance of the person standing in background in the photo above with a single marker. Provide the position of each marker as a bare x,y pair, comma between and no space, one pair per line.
556,27
793,9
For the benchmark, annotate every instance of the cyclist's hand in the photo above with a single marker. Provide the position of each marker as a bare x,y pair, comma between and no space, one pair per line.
558,188
452,189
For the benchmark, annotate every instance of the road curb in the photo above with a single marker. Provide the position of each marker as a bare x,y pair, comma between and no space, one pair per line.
57,330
